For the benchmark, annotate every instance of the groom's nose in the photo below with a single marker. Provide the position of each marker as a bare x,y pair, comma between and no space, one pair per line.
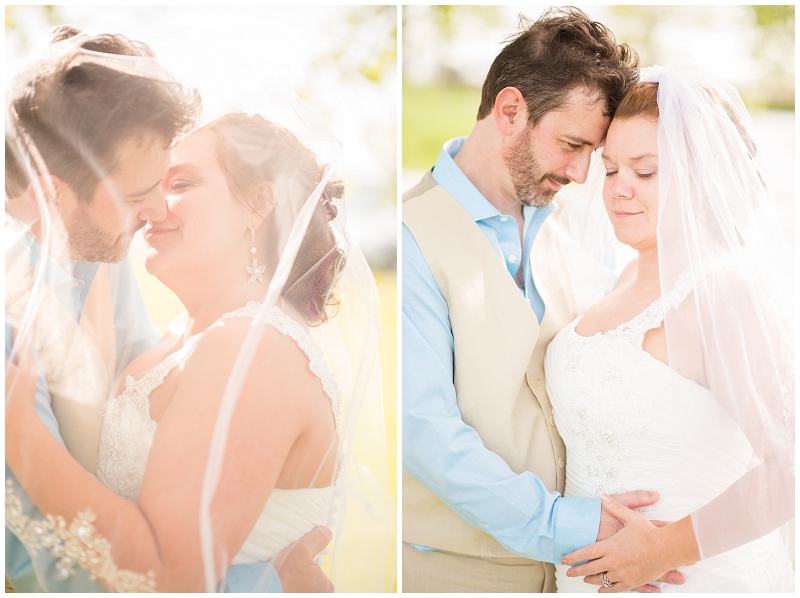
578,169
154,206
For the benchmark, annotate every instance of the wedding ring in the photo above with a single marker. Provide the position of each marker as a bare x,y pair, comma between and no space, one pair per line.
606,583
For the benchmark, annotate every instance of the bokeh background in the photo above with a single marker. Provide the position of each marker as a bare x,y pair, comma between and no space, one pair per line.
342,60
447,51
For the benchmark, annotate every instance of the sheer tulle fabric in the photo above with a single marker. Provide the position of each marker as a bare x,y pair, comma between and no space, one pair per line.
358,507
735,333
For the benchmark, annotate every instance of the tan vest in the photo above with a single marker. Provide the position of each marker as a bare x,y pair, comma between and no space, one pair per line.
498,357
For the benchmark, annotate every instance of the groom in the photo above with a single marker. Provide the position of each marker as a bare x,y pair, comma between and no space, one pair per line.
84,120
483,295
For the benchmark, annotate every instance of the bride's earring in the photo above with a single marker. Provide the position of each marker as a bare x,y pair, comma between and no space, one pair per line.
255,270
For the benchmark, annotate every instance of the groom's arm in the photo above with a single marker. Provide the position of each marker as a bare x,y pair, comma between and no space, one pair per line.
38,573
449,458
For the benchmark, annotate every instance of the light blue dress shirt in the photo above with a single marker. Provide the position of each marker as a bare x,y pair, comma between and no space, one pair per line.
442,452
135,333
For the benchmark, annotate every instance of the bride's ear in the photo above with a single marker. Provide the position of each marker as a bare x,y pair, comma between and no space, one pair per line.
264,203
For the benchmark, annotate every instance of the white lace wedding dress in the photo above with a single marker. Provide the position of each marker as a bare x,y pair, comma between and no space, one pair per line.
631,422
128,431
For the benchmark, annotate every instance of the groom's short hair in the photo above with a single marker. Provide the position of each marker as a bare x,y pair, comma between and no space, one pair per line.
76,112
561,51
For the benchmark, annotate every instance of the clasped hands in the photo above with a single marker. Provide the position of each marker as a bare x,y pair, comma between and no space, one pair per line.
630,550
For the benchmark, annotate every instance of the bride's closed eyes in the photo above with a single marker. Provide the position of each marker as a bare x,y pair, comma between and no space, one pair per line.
178,184
641,175
180,177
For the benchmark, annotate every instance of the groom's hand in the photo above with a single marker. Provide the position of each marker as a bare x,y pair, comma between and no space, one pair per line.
296,566
610,525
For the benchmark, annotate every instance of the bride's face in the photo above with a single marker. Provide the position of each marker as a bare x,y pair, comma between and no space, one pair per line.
206,228
630,191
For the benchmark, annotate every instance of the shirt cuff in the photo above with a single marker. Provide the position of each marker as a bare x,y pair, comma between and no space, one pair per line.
253,577
576,526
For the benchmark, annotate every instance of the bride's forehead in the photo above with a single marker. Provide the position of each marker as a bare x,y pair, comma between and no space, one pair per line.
638,130
197,146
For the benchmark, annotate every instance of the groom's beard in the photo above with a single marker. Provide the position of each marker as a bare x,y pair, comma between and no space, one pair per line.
94,244
530,184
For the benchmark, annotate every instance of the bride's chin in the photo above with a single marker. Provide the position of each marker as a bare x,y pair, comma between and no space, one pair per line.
154,261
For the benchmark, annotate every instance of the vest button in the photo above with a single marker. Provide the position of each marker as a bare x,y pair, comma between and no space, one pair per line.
534,381
561,462
552,421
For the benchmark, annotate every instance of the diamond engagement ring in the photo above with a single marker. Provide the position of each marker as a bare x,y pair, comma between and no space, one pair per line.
606,582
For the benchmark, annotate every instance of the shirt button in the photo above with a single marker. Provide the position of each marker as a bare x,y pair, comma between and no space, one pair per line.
503,218
512,258
561,462
552,421
75,284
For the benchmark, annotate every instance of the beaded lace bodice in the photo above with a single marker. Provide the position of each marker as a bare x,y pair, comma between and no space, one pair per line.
612,400
128,431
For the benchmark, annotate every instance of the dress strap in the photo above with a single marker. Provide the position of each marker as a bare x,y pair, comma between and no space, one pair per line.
274,317
156,376
654,314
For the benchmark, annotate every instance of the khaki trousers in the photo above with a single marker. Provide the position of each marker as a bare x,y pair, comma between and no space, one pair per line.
440,571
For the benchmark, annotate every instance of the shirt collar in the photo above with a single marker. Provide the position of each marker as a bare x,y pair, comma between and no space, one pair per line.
448,175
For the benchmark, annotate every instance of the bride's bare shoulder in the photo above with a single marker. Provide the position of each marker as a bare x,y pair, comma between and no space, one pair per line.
278,362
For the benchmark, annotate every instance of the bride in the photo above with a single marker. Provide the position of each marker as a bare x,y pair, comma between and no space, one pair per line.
681,379
225,443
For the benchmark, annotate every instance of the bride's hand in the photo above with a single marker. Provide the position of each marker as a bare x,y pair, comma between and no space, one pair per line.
636,555
610,525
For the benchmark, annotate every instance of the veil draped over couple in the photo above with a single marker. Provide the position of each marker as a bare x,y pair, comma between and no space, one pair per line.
244,448
658,306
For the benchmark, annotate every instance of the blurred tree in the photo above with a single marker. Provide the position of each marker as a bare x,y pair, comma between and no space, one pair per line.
774,48
375,27
16,14
767,31
376,23
445,23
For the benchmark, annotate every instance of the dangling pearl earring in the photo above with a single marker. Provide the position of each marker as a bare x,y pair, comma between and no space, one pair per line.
255,270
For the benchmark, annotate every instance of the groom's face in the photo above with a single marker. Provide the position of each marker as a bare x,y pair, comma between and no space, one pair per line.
101,229
558,149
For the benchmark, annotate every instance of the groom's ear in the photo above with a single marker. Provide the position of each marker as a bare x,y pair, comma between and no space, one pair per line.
264,203
510,111
59,194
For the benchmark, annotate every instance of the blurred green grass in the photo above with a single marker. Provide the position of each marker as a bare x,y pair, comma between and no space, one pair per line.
433,114
163,306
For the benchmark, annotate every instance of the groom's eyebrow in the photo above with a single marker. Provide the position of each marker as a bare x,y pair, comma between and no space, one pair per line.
578,140
144,191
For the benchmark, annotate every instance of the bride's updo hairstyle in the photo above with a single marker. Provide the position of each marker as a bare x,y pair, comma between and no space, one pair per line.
252,151
641,100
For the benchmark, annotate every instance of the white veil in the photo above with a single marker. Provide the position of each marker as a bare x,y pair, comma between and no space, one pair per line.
734,333
327,290
719,236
